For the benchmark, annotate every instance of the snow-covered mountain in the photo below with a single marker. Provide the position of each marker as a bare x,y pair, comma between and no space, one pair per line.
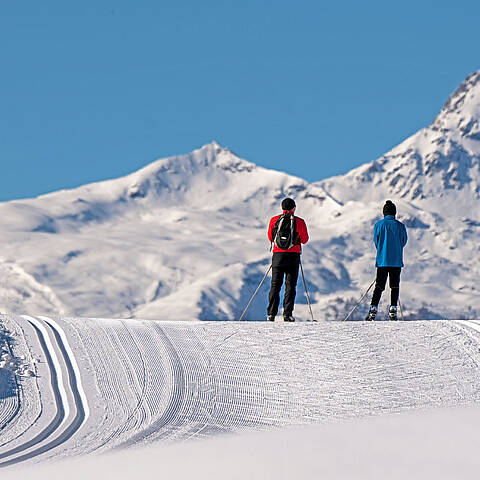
185,237
434,177
439,163
182,238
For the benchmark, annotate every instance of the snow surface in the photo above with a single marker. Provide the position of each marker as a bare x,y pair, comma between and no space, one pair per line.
185,237
440,444
105,384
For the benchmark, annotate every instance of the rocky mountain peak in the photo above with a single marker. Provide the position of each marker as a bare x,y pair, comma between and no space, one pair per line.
462,109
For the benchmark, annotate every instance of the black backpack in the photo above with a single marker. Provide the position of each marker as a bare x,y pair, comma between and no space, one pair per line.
284,233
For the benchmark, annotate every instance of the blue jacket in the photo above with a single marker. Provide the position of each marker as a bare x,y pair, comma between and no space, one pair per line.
389,236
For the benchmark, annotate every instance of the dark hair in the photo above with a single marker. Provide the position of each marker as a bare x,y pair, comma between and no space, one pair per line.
389,208
288,204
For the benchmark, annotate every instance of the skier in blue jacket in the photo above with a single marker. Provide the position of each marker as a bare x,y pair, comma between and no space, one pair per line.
389,236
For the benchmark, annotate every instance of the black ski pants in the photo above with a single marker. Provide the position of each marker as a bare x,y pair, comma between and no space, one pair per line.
381,281
284,264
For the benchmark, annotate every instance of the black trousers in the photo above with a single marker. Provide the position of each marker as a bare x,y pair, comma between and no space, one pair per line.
381,281
283,265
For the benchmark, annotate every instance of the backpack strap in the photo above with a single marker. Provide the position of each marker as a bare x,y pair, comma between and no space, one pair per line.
293,230
277,225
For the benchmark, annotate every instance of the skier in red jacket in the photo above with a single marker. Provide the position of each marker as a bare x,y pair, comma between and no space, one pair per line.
288,231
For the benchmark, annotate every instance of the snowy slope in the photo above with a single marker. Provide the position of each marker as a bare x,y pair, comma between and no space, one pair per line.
440,445
184,237
106,384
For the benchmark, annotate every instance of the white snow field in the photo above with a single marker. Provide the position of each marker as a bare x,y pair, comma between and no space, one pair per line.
102,385
185,237
438,445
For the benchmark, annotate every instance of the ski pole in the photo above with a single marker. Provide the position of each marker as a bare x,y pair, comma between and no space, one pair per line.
401,310
253,296
306,291
359,302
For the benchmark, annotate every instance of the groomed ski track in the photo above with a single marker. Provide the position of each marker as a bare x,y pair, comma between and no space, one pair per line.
10,405
107,384
61,363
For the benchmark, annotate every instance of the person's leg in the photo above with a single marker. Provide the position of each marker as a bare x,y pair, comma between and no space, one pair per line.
380,282
291,277
275,287
394,280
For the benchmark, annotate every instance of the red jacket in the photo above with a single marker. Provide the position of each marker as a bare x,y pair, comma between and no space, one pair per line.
301,231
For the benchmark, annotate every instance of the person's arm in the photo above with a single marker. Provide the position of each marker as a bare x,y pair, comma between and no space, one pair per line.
404,236
376,235
302,232
270,229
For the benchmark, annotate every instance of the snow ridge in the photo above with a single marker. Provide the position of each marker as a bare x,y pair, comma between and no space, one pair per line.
462,109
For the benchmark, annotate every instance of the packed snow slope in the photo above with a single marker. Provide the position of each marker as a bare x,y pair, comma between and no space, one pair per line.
439,445
185,237
102,384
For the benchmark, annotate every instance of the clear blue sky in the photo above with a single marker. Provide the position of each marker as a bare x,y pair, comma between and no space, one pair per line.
96,89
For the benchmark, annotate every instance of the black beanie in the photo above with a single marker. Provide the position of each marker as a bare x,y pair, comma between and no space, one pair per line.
389,208
288,204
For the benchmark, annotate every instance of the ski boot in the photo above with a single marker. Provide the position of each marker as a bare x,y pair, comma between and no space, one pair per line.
372,313
392,313
271,318
288,318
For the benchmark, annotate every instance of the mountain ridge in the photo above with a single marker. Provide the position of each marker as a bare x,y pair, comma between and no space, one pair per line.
468,92
437,160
